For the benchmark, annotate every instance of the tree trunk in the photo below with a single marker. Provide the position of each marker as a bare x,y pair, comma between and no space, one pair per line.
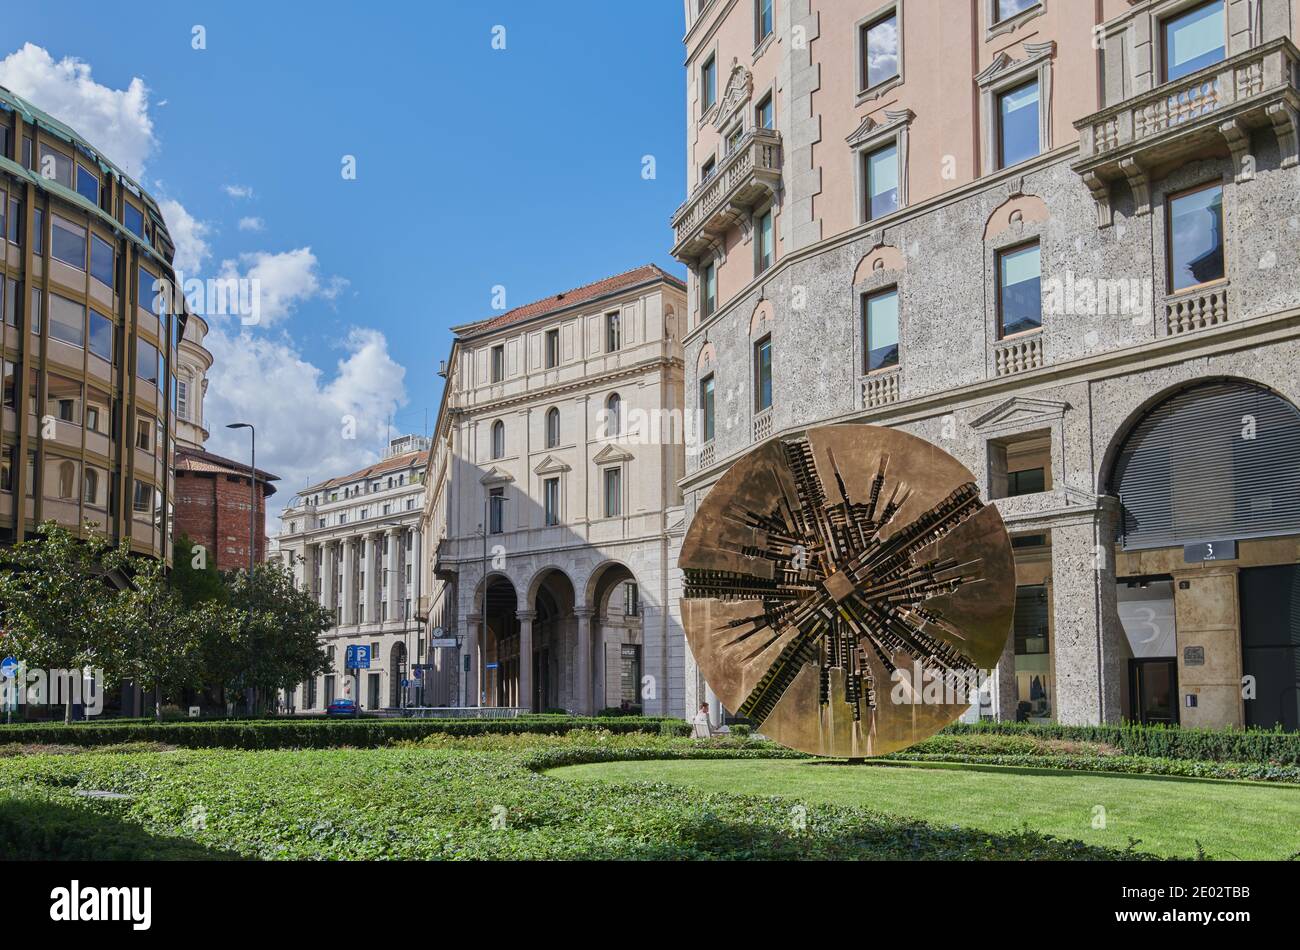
67,701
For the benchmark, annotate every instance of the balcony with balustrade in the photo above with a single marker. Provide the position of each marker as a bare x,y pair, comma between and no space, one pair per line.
1214,109
745,179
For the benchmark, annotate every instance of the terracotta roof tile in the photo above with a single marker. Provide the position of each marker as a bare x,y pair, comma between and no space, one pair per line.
370,471
593,291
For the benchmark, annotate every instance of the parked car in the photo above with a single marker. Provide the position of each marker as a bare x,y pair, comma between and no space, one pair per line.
342,707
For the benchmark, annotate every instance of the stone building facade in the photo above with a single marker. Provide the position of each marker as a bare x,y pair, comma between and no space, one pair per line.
1061,241
553,514
354,542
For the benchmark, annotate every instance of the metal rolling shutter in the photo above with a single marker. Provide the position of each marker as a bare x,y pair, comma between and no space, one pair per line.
1186,473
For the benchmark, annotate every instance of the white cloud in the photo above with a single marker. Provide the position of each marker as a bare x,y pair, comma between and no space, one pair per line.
188,234
252,224
239,191
113,120
287,279
300,412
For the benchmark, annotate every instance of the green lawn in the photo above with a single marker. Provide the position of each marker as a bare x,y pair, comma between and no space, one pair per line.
1168,814
482,798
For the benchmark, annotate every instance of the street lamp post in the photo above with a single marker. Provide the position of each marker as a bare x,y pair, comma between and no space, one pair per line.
252,529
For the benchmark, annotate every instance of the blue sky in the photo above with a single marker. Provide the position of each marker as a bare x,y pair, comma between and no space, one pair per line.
476,167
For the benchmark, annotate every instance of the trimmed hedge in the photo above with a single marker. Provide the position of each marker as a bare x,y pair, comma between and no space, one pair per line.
1161,742
314,733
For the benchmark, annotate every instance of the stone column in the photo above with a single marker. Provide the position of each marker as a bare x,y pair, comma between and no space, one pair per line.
584,660
473,646
368,612
1090,649
349,583
526,618
394,562
1004,682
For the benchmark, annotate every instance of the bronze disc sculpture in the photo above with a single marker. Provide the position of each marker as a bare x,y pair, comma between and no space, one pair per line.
844,588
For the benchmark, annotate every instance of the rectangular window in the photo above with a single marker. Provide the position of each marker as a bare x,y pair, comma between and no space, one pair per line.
613,332
1018,133
708,84
1194,39
182,403
552,348
764,247
496,510
879,51
38,225
63,399
144,433
101,335
1020,300
56,166
142,498
763,374
97,412
1195,238
707,169
631,600
146,361
103,261
147,294
764,117
707,419
613,492
1028,482
7,468
762,20
68,243
880,319
1008,8
67,320
133,218
15,229
88,184
4,141
709,288
498,363
35,312
10,385
551,500
880,174
11,291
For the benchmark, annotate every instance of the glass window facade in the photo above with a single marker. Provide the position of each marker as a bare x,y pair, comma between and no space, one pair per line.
881,176
881,319
879,51
1020,300
763,374
1018,128
1194,39
68,243
1196,238
707,419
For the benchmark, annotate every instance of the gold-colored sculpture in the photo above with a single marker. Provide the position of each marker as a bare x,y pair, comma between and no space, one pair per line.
844,589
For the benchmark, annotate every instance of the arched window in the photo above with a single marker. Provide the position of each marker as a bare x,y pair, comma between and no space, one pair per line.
498,439
1213,461
90,483
613,415
552,427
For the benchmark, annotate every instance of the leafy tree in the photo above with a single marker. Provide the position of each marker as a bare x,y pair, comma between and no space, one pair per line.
156,639
56,602
193,576
275,646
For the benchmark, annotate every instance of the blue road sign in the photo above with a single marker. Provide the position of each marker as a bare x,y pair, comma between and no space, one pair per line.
358,657
8,667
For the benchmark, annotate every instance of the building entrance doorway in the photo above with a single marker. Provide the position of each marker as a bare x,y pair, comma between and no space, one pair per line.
1153,685
1270,644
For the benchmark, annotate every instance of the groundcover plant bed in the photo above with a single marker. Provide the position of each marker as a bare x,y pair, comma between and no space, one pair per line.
449,798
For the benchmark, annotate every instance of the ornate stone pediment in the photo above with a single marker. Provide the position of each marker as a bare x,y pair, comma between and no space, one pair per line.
1005,62
496,476
740,88
1020,412
550,466
612,453
871,127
